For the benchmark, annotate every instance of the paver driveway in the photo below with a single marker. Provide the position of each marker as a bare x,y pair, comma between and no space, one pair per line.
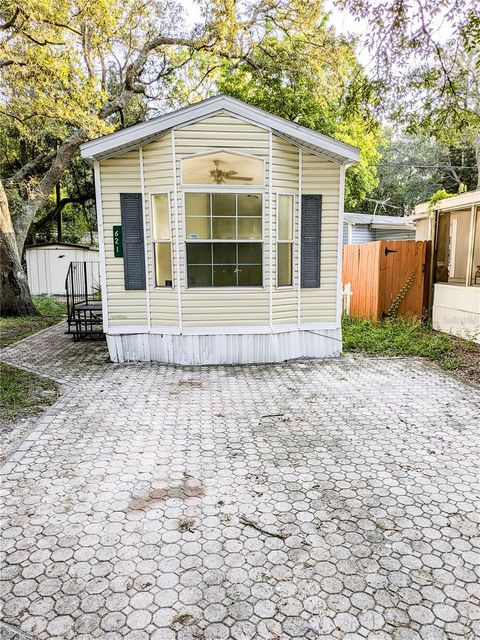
316,499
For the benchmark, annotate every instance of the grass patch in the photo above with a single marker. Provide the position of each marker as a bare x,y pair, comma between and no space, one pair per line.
401,337
51,311
23,393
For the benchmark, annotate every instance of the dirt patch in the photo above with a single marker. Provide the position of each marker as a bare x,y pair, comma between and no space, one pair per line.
184,386
189,488
467,355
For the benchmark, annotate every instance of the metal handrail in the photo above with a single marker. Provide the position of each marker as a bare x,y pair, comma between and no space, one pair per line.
81,286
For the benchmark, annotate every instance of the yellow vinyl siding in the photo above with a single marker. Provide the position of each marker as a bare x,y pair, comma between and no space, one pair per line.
221,131
229,307
120,174
158,177
285,165
323,177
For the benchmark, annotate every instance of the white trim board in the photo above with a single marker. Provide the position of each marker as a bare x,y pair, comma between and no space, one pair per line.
222,330
145,237
101,244
341,198
141,133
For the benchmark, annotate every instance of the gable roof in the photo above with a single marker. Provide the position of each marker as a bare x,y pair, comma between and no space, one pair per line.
145,132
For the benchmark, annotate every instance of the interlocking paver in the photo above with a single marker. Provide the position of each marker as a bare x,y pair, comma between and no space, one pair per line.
128,510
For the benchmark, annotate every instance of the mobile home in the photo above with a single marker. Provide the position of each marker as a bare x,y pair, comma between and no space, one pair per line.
220,232
453,225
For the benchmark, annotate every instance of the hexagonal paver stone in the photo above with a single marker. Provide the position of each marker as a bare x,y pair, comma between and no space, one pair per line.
332,498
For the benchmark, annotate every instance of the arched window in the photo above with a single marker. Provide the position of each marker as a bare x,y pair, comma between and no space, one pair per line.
222,168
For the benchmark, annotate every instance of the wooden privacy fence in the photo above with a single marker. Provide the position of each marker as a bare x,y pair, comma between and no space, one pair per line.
387,278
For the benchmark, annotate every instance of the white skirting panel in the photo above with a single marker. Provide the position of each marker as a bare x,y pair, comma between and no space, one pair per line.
456,310
225,349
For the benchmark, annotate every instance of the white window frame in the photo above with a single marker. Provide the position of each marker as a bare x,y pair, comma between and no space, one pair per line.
452,248
292,242
238,188
154,242
218,189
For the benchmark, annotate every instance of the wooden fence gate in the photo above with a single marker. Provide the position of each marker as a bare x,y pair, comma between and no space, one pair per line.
387,278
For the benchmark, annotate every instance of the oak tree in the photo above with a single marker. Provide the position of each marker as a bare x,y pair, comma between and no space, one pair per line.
73,70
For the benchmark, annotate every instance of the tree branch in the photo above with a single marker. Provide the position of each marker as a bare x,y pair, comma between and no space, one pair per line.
10,23
51,215
31,165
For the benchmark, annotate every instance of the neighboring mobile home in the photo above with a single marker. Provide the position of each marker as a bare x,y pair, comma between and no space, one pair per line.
453,225
362,227
220,232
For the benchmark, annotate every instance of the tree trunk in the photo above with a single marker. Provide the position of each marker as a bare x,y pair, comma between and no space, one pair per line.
15,298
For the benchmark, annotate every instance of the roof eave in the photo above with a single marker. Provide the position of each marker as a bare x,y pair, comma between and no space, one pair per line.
142,133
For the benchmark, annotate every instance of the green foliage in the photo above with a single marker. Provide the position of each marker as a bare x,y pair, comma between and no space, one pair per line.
13,329
396,337
441,194
23,393
412,338
72,70
51,308
430,84
320,86
413,168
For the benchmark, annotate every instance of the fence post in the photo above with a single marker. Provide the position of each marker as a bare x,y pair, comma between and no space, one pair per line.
347,293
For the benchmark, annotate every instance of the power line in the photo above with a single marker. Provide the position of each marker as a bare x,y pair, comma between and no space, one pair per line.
408,165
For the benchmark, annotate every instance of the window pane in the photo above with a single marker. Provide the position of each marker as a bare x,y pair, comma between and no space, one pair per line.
249,204
225,276
441,272
250,228
198,228
197,204
199,276
285,217
161,226
284,264
250,276
163,264
224,253
223,204
224,228
200,253
222,167
250,253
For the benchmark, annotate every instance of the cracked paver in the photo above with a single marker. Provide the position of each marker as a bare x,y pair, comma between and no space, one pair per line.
315,499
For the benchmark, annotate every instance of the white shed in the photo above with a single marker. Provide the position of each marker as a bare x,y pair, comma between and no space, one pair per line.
47,265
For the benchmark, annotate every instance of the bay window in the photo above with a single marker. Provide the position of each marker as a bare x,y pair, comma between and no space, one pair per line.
162,245
224,239
285,240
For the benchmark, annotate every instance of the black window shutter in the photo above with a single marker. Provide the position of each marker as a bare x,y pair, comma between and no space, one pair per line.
311,230
133,241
